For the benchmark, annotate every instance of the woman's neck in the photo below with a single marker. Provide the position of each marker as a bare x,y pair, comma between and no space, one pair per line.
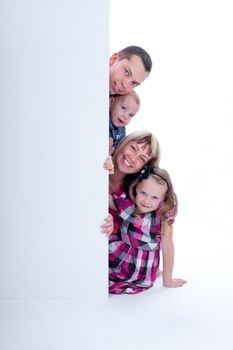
115,180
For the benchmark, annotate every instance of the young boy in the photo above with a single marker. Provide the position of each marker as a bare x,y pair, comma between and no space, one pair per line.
122,109
128,68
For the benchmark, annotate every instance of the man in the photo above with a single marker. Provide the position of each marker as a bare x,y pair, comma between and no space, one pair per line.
128,68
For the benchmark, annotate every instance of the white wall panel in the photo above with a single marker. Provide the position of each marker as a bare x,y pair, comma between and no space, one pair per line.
53,139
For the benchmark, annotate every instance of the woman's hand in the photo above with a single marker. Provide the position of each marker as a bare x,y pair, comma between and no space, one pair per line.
108,226
108,165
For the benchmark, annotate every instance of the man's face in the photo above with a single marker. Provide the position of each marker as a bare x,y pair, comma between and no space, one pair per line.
125,75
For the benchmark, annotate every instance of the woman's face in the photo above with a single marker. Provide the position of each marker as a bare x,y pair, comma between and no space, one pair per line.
132,157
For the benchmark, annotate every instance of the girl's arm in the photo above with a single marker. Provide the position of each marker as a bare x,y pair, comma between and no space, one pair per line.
168,258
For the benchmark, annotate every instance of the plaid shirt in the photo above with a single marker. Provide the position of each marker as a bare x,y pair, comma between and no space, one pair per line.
139,231
133,249
117,133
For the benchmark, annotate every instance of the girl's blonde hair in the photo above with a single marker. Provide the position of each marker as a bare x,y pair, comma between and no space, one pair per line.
168,208
142,136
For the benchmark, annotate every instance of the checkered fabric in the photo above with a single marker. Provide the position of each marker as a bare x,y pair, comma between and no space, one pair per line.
133,249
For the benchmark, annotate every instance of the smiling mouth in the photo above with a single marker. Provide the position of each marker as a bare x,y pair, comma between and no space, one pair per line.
145,206
120,121
127,163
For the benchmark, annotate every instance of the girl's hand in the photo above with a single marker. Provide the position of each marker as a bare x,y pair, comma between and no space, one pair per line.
108,165
108,226
175,282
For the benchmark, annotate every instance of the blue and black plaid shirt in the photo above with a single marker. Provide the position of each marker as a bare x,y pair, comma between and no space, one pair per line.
117,133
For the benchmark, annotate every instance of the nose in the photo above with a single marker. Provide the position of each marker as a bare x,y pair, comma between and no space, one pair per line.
133,157
125,117
125,85
146,202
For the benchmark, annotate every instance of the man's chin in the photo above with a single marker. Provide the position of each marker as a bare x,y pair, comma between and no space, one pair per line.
115,91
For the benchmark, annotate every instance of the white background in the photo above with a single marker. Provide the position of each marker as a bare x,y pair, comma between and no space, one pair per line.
187,102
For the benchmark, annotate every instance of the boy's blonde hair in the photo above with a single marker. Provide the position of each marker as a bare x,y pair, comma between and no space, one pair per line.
168,208
132,93
135,96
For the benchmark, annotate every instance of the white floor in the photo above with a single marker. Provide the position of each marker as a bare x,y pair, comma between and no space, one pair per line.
197,316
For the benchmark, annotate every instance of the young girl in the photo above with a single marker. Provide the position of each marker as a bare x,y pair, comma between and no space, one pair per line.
145,224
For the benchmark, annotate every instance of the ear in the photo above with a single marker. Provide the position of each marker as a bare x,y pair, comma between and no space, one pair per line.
111,99
113,59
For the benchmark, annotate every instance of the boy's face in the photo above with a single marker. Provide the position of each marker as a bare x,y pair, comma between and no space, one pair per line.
122,110
125,75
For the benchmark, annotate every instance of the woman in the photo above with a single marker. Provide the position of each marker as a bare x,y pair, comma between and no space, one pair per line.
132,153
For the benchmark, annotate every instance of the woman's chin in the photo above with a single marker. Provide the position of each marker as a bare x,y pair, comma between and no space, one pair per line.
127,170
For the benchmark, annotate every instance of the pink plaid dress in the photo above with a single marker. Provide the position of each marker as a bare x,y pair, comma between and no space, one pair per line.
133,249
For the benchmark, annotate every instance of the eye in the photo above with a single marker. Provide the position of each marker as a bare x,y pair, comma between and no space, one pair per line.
133,148
126,72
144,160
143,193
123,108
131,115
154,198
134,84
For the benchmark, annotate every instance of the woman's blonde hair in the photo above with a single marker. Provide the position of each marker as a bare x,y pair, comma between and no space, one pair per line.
168,208
142,136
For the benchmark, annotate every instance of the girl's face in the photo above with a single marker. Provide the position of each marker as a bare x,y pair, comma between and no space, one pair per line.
149,195
132,157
